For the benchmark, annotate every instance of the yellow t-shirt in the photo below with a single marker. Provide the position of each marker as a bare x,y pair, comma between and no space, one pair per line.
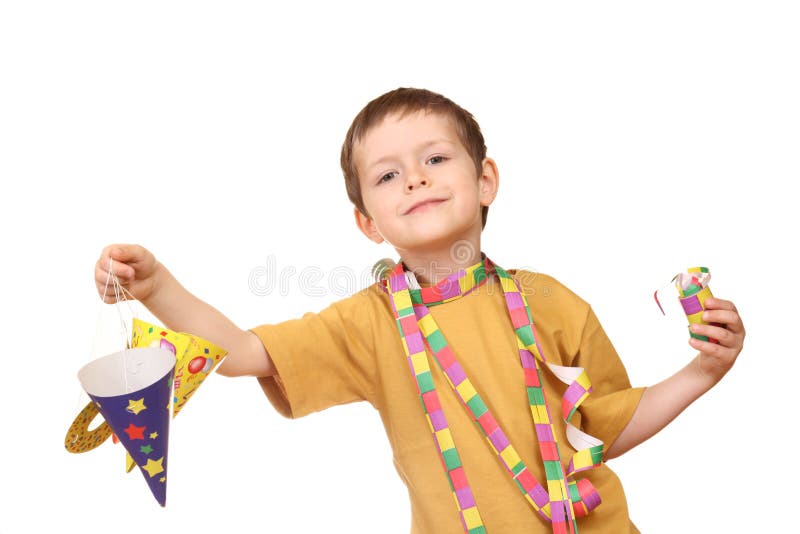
352,351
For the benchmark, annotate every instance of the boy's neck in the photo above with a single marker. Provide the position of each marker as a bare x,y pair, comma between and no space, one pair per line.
431,268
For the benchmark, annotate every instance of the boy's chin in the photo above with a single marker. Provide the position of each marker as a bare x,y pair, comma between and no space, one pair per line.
444,246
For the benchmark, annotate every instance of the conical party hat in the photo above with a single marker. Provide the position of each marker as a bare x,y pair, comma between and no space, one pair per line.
132,390
196,357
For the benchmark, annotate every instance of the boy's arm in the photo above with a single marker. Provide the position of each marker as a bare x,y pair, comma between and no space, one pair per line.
161,293
662,402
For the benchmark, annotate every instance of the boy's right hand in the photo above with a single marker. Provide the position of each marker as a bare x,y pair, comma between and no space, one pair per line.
134,266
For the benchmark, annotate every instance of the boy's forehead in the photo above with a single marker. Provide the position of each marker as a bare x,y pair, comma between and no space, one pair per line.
400,129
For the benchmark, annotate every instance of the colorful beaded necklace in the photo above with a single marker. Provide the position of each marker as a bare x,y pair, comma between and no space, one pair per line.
563,500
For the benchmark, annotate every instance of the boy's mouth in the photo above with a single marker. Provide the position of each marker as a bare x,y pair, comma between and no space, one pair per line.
423,205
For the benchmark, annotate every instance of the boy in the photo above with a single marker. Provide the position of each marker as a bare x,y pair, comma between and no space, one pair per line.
480,456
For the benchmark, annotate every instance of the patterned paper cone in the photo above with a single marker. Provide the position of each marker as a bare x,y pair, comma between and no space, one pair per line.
132,391
196,357
197,363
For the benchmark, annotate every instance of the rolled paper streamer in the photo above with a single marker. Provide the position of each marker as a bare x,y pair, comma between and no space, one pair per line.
132,390
693,291
584,497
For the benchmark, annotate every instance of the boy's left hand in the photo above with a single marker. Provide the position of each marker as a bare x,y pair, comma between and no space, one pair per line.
716,359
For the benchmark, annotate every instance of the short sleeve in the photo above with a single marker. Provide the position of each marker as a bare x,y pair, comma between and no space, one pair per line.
610,406
322,359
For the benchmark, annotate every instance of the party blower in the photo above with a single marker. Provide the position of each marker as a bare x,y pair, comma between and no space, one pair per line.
693,290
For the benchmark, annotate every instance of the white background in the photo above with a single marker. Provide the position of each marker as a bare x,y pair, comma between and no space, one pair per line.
633,141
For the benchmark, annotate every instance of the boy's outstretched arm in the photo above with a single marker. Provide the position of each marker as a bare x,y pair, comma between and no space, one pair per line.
161,293
662,402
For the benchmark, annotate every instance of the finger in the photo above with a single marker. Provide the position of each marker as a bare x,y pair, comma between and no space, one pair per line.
106,286
713,332
110,299
108,253
113,299
121,255
718,351
714,303
729,318
127,253
124,273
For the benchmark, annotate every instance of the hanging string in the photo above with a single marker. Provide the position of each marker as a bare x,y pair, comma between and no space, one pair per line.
82,396
121,295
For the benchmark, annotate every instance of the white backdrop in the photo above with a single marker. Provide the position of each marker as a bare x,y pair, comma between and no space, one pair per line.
632,140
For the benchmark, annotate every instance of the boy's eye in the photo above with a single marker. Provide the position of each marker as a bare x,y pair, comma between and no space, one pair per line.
436,159
386,177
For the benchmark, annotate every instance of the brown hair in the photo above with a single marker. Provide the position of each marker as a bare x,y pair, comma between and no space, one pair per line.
404,101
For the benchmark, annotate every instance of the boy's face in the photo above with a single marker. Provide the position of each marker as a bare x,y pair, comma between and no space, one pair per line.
420,185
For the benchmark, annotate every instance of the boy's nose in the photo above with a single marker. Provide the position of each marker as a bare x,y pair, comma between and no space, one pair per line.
415,181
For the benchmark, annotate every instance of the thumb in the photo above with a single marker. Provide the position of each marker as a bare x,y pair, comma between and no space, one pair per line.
126,253
126,259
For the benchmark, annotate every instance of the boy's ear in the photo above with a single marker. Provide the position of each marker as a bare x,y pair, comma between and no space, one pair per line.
367,226
489,181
